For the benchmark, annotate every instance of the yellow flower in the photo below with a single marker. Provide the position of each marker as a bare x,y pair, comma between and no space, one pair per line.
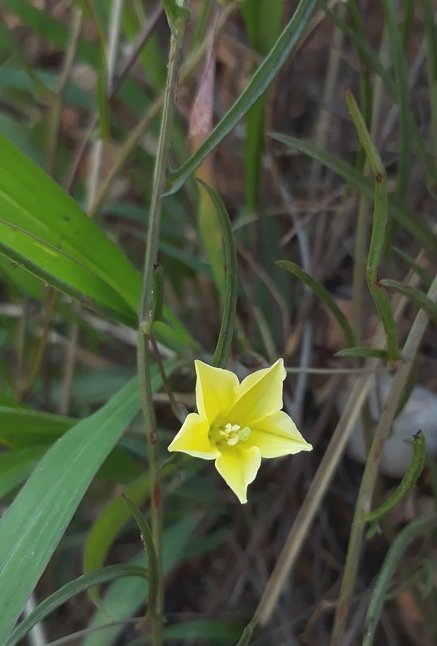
238,424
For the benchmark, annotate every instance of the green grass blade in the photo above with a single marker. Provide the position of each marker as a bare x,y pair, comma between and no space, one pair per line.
224,340
418,298
70,590
34,524
363,352
68,274
379,229
424,276
256,87
324,296
263,23
30,200
407,483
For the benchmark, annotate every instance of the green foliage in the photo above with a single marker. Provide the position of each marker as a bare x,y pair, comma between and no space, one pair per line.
224,341
70,590
33,525
336,196
43,229
260,81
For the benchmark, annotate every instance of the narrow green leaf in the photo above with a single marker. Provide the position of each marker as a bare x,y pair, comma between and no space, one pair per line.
224,340
394,556
70,590
379,229
62,271
362,351
215,631
324,296
385,312
416,267
253,152
260,81
32,202
375,162
417,297
407,483
32,527
263,22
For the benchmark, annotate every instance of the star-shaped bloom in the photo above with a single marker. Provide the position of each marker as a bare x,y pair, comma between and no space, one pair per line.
237,424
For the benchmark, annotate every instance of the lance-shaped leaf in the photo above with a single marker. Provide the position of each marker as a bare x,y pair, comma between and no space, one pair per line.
32,203
33,525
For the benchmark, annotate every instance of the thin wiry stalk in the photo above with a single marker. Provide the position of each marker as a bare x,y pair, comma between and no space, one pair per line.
145,316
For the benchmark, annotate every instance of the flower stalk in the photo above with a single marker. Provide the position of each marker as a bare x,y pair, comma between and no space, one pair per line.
146,320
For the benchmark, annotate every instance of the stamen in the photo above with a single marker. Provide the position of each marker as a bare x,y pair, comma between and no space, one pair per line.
233,433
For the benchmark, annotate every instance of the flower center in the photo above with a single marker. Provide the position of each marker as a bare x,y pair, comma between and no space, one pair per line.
231,434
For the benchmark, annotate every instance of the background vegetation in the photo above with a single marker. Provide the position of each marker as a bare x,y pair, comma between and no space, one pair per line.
316,125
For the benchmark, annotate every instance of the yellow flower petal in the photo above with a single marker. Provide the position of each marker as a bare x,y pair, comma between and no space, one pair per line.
238,467
277,435
193,439
260,395
216,390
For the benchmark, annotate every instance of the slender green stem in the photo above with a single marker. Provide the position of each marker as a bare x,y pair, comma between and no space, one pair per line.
145,316
368,481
